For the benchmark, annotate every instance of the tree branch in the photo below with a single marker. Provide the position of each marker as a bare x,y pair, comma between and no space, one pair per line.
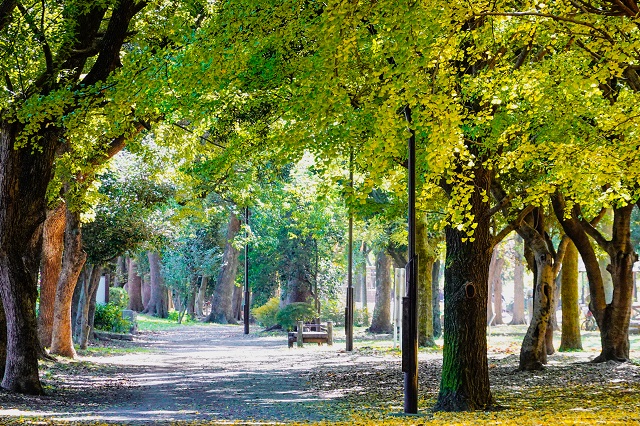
6,9
512,226
591,230
549,16
39,35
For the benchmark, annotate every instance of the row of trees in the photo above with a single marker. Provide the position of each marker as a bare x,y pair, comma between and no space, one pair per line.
522,112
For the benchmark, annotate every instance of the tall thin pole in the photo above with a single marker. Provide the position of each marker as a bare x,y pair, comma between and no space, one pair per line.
246,272
409,303
350,302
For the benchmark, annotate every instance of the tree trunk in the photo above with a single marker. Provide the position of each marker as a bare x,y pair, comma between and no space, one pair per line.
533,353
435,278
222,299
571,339
613,318
381,321
426,255
24,176
157,305
497,291
72,263
193,294
614,329
90,288
238,293
201,295
490,281
465,374
3,340
365,301
52,247
146,292
134,287
518,284
119,280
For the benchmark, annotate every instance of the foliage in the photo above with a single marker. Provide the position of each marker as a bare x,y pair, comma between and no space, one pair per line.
289,316
118,296
108,317
267,314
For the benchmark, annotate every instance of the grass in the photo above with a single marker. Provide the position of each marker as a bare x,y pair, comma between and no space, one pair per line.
151,323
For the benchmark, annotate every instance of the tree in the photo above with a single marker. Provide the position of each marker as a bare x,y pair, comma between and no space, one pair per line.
381,321
518,283
571,339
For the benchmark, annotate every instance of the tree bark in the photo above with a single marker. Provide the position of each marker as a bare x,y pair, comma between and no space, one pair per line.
157,305
571,339
72,263
497,291
134,287
52,248
146,292
119,280
465,373
222,299
518,284
490,281
89,290
381,321
238,293
435,277
201,296
426,255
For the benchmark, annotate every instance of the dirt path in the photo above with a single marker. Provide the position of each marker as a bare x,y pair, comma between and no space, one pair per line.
203,372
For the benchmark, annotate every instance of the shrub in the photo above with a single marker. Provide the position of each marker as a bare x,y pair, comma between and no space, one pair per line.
361,318
266,315
332,311
109,318
119,297
294,312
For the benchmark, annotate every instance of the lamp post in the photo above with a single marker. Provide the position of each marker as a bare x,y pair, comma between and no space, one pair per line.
409,302
246,272
348,322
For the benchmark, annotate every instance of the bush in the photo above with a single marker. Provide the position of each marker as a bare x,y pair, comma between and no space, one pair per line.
294,312
361,318
119,297
332,311
109,318
267,314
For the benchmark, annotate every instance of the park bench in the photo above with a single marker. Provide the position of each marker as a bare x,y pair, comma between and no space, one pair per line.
312,333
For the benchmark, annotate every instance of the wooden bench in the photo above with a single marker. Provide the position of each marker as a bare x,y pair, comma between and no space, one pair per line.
312,333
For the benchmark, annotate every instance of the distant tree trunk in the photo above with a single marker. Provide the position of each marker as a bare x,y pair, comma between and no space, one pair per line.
193,294
52,247
435,292
365,302
496,278
119,279
492,268
222,299
134,287
146,291
73,261
571,339
157,305
426,255
238,293
89,290
201,295
381,322
518,284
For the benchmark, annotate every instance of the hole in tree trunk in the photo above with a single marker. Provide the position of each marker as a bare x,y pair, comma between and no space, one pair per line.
470,290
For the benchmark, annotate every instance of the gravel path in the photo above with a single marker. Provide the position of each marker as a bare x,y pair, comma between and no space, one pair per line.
204,372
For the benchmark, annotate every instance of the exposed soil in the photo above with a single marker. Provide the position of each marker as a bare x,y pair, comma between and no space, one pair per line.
214,373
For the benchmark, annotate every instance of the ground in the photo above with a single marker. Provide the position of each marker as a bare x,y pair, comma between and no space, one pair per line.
214,374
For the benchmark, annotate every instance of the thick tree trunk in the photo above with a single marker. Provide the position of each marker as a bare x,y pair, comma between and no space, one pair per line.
518,284
571,339
157,305
72,263
238,293
465,374
435,277
381,321
52,248
24,176
134,287
614,329
427,257
3,340
222,299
